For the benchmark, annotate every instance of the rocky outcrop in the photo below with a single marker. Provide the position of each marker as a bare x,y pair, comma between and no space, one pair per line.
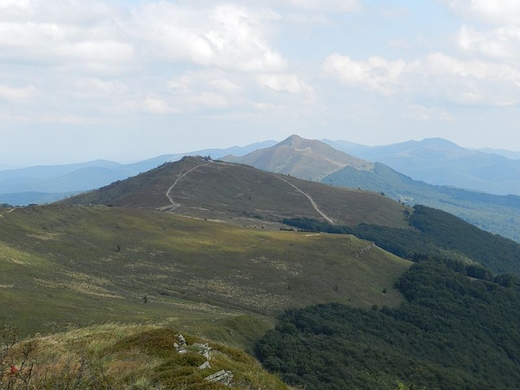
223,376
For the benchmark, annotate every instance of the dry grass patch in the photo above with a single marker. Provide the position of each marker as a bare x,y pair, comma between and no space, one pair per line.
124,357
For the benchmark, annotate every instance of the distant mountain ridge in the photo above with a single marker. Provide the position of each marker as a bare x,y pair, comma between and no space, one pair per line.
306,159
493,213
501,152
47,183
435,161
441,162
201,188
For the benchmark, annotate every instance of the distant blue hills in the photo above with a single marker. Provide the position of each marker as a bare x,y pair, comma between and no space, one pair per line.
471,184
441,162
49,183
467,172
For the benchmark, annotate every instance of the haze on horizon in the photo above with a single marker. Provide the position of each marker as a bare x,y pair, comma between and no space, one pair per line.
129,80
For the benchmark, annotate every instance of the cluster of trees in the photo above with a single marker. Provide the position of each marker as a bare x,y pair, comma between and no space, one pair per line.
453,332
434,233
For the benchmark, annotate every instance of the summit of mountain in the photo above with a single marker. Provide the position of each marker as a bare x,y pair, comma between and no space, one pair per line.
303,158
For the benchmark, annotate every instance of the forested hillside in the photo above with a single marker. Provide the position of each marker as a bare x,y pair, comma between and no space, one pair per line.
452,333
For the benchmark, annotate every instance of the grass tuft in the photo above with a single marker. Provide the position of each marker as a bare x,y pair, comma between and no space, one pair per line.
124,357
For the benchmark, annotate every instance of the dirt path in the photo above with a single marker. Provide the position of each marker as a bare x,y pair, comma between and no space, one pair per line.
174,205
7,212
313,203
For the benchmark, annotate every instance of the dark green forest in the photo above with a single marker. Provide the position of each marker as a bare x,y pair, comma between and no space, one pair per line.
453,332
433,233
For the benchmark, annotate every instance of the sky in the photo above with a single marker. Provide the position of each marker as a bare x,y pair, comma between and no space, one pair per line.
126,80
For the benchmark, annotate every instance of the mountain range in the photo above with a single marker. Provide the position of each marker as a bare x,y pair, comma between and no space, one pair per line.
48,183
434,161
202,188
441,162
494,213
426,162
220,250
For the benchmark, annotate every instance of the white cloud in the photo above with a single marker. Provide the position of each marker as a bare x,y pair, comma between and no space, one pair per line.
284,83
13,94
326,5
500,43
436,76
225,85
441,65
98,51
209,99
376,73
157,106
494,11
421,113
64,34
114,56
92,87
211,79
198,90
65,12
226,36
236,91
10,9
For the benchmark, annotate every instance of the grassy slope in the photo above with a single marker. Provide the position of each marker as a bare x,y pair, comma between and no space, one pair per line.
351,207
76,264
245,195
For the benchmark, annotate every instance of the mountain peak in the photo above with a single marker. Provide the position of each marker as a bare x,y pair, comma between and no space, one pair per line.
303,158
439,142
296,141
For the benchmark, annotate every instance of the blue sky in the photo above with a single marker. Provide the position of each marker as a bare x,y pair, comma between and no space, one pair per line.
128,80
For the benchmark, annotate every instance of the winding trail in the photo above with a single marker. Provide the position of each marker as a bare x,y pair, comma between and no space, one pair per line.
7,212
313,203
174,205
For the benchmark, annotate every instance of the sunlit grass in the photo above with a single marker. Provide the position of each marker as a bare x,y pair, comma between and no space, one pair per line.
70,265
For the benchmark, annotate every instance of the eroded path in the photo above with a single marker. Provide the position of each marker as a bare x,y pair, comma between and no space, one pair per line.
313,203
173,204
7,212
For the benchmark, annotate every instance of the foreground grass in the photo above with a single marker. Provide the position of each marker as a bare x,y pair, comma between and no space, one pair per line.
124,357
